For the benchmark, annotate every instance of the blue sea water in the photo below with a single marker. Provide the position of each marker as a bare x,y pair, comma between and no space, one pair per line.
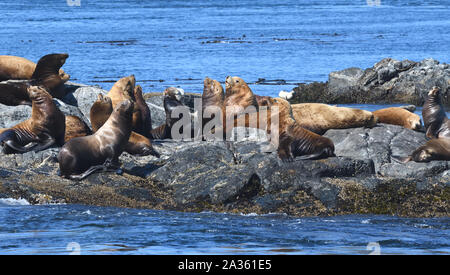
178,43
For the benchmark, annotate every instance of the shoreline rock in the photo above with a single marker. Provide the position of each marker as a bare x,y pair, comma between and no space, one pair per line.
239,177
388,81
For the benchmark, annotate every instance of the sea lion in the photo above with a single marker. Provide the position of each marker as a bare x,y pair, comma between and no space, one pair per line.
19,68
319,118
435,120
212,99
75,127
434,149
294,140
171,102
122,90
238,94
399,116
145,125
82,156
137,144
45,127
46,74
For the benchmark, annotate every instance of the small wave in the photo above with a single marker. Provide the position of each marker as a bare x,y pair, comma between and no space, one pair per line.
11,201
365,221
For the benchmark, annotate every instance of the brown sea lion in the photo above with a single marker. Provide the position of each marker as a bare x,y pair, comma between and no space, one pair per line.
46,74
76,127
45,127
435,120
294,140
145,121
82,156
434,149
399,116
19,68
137,144
238,93
319,118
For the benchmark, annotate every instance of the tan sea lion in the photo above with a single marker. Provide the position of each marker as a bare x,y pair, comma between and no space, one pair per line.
434,149
76,127
19,68
212,99
435,120
46,74
45,127
399,116
137,144
82,156
319,118
122,90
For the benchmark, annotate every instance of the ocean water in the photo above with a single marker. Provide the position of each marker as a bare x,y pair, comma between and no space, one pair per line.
178,43
67,229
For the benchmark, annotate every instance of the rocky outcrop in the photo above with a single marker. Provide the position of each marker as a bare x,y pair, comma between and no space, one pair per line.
239,176
388,81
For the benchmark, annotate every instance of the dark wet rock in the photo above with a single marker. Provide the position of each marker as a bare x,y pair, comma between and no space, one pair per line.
240,177
388,81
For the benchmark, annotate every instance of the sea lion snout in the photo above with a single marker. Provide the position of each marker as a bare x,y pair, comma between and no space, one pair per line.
434,91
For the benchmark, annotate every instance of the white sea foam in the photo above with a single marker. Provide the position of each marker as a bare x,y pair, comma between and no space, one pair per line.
11,201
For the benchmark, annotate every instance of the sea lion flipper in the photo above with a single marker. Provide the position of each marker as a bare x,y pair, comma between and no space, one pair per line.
429,133
401,159
310,156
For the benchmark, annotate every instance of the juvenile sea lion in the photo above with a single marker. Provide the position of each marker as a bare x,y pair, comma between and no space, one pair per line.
437,125
82,156
434,149
45,127
137,144
75,127
319,118
46,74
399,116
19,68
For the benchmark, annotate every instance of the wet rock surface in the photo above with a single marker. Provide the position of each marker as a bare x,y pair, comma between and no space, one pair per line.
388,81
240,176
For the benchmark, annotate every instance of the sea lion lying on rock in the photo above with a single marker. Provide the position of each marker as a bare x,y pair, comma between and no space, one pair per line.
319,118
46,74
82,156
19,68
45,127
399,116
434,149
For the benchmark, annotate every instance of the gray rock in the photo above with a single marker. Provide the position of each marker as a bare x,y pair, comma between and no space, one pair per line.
388,81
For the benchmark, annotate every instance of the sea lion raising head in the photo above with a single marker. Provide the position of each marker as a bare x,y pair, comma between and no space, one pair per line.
436,123
137,144
142,120
82,156
122,90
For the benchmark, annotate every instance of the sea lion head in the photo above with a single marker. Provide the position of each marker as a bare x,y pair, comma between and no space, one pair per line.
125,107
49,65
100,111
126,86
212,88
434,91
421,154
64,76
415,123
234,84
38,94
174,93
137,92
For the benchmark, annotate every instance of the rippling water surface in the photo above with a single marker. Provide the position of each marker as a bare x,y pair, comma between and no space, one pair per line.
178,43
59,229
